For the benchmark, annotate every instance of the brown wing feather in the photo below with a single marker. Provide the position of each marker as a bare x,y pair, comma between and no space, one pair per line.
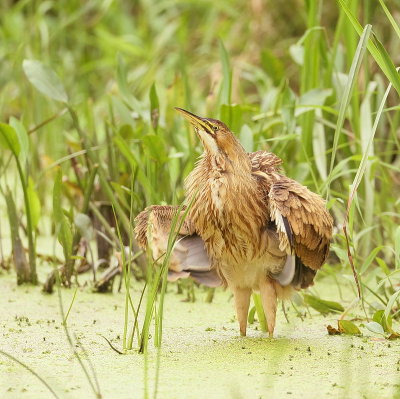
161,216
302,220
264,161
308,218
189,257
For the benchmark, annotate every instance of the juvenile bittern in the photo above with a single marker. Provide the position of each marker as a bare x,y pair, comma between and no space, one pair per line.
248,224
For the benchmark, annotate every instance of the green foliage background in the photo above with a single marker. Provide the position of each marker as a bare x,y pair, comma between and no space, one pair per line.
279,73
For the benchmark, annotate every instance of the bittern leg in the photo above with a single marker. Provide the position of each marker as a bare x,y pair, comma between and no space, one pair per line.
242,303
269,302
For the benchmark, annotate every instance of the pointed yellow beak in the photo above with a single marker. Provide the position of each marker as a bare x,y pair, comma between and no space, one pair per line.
197,121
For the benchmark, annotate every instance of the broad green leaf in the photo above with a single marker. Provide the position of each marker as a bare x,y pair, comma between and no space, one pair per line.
45,80
297,53
348,327
127,132
34,204
313,98
321,305
22,138
9,139
246,138
379,317
375,327
84,225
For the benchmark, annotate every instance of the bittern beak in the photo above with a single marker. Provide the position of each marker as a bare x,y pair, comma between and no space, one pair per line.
197,121
216,138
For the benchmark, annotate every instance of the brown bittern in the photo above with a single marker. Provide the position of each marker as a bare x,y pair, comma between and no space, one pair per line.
248,225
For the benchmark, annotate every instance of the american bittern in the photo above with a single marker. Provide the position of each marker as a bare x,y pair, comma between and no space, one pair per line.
254,227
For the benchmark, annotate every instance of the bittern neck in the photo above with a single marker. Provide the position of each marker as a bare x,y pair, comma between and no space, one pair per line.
235,161
225,195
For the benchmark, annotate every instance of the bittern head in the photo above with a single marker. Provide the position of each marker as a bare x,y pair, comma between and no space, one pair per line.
216,137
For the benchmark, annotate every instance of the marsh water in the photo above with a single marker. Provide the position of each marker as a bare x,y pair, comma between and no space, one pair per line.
202,355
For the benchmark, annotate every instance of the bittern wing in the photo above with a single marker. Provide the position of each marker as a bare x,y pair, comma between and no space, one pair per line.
302,220
160,217
264,161
189,257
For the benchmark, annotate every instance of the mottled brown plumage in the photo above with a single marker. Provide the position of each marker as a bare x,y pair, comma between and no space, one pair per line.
258,229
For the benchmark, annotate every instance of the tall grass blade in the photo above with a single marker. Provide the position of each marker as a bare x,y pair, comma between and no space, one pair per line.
357,180
18,252
397,247
226,86
65,236
390,18
389,306
310,73
33,372
376,49
366,151
94,385
70,305
9,139
345,100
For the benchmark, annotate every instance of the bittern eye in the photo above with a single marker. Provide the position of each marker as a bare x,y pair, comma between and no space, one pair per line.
215,128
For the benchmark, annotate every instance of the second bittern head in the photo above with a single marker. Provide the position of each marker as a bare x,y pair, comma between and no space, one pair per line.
216,137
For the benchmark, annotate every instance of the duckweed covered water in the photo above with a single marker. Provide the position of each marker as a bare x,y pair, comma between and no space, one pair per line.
202,355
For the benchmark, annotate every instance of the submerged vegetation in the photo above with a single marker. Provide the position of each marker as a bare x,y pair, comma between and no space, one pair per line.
89,137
